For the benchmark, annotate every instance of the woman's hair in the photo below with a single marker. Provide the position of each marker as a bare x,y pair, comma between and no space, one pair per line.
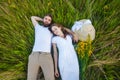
62,29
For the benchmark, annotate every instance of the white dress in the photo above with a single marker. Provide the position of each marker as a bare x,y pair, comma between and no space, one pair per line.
68,62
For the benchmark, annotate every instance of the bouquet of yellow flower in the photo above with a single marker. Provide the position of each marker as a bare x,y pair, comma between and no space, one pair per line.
84,50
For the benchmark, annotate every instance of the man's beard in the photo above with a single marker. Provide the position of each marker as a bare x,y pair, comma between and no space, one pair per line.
46,25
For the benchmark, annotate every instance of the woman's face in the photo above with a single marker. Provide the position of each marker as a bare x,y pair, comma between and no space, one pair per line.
57,30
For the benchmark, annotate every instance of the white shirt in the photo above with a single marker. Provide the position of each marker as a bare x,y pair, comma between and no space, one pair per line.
42,39
79,24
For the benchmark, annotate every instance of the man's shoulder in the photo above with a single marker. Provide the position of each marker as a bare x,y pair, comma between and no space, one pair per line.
38,25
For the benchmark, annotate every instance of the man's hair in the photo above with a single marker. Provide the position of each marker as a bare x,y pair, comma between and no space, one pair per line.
49,15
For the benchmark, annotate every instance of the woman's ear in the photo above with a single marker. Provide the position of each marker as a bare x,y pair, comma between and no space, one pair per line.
60,28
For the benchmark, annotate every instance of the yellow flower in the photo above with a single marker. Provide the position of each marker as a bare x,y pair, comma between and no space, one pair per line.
89,53
84,49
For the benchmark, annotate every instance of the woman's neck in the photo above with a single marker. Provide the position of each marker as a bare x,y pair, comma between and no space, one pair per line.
62,35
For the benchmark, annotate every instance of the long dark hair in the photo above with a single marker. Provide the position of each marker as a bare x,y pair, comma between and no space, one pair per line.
62,29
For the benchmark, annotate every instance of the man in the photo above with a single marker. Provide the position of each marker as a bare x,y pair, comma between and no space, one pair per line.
40,56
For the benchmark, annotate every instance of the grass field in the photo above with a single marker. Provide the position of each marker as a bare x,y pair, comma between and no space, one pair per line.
17,34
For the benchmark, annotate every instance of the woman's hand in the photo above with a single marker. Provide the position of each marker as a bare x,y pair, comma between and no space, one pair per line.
56,73
75,38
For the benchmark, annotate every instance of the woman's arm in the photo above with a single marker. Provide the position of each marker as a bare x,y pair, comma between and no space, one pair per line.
35,20
55,59
75,38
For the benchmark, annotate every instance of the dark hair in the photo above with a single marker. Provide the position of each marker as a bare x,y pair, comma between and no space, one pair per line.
62,29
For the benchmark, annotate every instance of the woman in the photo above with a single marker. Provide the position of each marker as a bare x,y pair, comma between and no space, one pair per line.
67,61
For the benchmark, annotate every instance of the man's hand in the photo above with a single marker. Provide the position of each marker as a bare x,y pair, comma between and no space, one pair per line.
35,20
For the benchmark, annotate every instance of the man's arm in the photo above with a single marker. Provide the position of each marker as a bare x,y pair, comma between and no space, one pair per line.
35,20
75,38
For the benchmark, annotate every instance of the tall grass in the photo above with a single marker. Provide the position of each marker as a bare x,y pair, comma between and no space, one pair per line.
17,34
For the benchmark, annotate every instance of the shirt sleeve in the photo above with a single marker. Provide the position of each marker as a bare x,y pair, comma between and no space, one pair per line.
37,25
54,40
70,36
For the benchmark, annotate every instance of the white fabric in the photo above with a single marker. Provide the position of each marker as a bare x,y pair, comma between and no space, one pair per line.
68,62
42,39
84,28
78,24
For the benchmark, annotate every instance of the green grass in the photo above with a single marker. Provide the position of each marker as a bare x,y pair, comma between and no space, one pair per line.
17,33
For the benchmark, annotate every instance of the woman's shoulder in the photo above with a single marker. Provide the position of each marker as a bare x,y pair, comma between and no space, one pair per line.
54,37
70,36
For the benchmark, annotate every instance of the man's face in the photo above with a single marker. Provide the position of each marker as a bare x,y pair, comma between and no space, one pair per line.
47,20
